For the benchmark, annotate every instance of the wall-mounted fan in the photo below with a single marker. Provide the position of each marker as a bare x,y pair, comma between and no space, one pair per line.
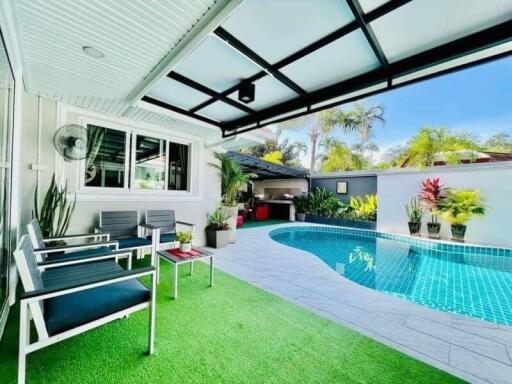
70,141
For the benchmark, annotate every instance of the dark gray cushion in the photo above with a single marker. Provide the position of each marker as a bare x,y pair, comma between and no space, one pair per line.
167,237
133,242
70,311
84,253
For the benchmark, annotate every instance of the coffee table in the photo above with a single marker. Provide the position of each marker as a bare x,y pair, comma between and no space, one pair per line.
176,261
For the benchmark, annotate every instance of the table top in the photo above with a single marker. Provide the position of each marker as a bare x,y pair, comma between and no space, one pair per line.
177,260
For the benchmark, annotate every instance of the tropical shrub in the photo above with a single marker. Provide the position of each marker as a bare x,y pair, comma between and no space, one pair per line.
301,204
431,193
184,237
363,208
218,221
322,202
414,211
460,205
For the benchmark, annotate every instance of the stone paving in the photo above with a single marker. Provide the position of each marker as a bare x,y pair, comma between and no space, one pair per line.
474,350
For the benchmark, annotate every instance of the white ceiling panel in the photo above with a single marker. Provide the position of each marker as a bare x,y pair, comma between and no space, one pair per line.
216,65
269,91
221,112
424,24
174,93
347,57
276,29
370,5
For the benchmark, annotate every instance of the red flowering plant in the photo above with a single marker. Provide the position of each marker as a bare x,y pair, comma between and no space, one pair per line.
431,193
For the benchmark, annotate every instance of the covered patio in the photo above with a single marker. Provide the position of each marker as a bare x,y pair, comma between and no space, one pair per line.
112,118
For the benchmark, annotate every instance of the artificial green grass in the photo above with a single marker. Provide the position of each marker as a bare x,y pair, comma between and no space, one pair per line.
231,333
263,223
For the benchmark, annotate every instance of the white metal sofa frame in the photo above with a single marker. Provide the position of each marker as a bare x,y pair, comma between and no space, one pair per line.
31,302
39,243
118,223
164,220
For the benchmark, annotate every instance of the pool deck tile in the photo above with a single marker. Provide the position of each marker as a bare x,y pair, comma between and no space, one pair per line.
474,350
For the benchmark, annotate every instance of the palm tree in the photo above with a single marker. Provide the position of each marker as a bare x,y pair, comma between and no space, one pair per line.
372,147
318,126
362,120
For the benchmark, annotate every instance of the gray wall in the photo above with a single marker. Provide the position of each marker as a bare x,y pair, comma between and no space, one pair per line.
356,185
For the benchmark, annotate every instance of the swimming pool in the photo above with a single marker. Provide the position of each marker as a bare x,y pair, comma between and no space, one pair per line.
468,280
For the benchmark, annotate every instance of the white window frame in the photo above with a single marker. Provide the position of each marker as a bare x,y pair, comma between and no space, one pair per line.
129,189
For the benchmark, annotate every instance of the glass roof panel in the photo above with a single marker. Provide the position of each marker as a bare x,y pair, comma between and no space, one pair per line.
424,24
269,91
344,58
216,65
370,5
222,112
276,29
172,92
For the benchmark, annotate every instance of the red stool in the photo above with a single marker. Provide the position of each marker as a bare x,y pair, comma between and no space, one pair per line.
262,212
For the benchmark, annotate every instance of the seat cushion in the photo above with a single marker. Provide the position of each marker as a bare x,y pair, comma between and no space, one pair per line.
84,253
133,242
70,311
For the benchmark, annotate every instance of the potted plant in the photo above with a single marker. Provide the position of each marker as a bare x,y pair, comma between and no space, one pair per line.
218,230
431,193
232,178
301,204
415,213
458,206
185,239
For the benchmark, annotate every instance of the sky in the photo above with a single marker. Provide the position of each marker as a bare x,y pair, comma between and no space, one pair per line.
477,99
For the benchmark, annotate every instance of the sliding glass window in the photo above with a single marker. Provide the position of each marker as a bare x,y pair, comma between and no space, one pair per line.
105,163
150,162
178,167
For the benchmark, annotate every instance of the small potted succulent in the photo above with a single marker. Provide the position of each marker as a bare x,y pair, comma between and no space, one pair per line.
300,203
431,193
185,239
415,213
218,230
458,206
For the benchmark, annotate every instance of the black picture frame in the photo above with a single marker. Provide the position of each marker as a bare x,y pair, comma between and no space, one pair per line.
341,187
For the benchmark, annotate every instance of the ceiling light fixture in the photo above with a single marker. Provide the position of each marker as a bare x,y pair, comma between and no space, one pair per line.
93,52
246,92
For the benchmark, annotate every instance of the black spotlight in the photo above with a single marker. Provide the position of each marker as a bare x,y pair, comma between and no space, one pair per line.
246,92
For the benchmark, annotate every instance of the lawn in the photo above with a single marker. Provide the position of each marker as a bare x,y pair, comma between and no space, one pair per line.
231,333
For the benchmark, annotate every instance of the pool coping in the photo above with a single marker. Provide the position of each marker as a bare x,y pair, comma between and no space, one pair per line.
474,350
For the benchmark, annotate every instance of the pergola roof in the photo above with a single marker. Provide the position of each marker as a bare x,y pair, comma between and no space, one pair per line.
264,169
305,55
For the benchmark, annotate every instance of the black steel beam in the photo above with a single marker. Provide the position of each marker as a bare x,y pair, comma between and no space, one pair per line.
484,39
253,56
182,111
356,9
333,36
210,92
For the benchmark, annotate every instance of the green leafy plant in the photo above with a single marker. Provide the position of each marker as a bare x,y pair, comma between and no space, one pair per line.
184,237
414,211
232,178
363,208
322,202
55,213
301,203
460,205
218,221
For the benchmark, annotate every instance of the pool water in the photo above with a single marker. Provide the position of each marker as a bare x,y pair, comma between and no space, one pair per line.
471,281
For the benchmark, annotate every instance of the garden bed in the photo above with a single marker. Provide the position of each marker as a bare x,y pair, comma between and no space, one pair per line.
361,224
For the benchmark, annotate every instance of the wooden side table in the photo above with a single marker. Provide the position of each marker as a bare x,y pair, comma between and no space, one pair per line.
176,261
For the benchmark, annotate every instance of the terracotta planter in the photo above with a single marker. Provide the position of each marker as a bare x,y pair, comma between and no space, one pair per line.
458,232
433,230
414,228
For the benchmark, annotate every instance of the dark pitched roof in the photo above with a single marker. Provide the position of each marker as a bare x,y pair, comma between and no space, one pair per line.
265,169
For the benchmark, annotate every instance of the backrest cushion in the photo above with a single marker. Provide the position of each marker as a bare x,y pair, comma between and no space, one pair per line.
119,223
163,219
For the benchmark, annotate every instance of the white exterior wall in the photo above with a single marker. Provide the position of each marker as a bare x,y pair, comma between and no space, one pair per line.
494,180
193,207
260,185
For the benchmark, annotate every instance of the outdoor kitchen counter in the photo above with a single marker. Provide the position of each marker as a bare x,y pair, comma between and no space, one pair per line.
276,212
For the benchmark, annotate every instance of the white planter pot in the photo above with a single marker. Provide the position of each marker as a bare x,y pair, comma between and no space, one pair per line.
185,247
232,212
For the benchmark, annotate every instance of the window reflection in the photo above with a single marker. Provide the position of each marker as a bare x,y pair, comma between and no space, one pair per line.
178,167
149,163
